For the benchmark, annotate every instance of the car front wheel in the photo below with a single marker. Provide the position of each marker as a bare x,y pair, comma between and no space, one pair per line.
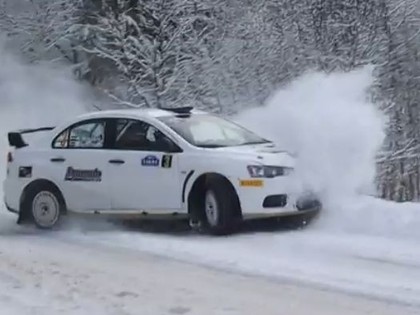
221,208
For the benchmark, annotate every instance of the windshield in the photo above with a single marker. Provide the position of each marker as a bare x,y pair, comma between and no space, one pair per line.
210,131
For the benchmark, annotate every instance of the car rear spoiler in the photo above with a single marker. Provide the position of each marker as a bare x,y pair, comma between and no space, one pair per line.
15,137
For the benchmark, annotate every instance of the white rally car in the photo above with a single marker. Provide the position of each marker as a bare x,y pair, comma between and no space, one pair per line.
151,163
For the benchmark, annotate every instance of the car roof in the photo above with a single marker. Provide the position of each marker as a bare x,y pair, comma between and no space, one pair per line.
139,113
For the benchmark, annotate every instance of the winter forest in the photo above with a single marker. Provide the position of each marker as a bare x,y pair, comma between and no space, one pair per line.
222,55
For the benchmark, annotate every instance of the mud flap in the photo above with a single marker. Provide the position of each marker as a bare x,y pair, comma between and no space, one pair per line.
23,217
20,220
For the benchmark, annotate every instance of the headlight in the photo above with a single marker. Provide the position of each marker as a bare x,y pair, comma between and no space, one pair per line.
268,171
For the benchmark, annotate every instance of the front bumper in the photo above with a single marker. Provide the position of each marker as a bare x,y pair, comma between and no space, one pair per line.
275,197
312,212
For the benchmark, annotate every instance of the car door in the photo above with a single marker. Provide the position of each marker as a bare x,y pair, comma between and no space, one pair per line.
145,175
79,161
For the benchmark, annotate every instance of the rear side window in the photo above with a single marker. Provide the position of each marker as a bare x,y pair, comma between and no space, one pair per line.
86,135
62,140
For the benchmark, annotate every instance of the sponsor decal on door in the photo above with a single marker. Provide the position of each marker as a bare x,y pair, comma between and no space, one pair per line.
78,175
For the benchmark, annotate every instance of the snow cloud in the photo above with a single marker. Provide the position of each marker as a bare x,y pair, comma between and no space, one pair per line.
328,123
35,95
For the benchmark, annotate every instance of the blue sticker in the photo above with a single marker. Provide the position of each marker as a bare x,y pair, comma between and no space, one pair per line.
150,160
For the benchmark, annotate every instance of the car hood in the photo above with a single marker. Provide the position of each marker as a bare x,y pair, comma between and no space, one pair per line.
261,154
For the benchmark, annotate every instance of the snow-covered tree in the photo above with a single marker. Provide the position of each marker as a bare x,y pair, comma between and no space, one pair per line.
40,28
155,47
399,87
346,34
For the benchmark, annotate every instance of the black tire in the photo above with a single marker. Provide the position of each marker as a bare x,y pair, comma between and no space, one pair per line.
43,205
227,208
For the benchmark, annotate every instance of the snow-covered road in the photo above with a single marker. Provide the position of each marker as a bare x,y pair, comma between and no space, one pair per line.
98,271
383,265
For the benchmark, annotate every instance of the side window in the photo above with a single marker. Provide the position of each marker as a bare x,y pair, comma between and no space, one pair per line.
85,135
62,140
138,135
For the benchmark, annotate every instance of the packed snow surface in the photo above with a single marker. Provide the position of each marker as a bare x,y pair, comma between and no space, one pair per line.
360,245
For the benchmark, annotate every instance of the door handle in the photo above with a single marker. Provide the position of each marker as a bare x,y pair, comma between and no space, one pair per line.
58,159
116,161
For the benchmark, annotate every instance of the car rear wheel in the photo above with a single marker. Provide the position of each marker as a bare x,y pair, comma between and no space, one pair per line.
221,208
45,206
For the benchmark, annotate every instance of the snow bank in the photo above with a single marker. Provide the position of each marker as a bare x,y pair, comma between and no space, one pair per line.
364,215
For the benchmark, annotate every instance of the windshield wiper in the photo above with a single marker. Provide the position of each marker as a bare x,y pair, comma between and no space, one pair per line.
211,146
255,142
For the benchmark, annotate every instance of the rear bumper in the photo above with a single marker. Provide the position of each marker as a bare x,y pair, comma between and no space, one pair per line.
11,194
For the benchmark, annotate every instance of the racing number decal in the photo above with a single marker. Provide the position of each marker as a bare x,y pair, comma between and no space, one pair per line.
167,161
